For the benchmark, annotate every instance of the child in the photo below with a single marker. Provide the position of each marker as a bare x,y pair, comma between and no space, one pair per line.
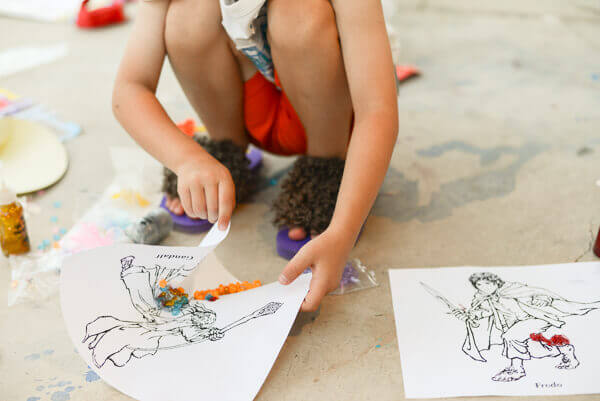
333,102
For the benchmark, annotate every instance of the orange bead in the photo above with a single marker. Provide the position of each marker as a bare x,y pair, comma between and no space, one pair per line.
162,283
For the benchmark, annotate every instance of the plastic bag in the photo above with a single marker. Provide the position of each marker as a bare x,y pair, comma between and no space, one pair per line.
356,277
35,276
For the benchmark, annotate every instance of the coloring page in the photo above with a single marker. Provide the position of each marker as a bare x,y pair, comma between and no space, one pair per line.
110,299
498,331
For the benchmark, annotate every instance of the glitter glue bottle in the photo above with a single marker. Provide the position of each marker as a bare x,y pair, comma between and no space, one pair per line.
13,234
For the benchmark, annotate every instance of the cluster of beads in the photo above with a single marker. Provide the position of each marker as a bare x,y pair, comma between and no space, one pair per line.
231,288
172,298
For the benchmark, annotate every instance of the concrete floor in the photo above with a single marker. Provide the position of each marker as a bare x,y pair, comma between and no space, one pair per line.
496,164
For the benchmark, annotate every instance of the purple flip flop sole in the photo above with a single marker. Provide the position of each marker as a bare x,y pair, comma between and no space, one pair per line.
184,223
288,248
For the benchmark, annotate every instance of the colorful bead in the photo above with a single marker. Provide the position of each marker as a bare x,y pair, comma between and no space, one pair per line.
222,289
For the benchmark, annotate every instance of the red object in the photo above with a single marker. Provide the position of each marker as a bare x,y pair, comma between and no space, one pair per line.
403,72
597,245
556,340
270,118
109,15
188,127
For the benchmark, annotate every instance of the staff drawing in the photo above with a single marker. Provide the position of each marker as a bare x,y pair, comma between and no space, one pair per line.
516,316
115,340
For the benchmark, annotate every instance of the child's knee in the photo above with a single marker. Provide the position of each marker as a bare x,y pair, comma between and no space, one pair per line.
300,25
192,26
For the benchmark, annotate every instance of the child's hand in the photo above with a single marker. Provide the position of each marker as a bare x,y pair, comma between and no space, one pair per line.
206,189
326,255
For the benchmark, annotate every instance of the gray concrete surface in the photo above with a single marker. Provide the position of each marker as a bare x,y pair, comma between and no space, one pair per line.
496,164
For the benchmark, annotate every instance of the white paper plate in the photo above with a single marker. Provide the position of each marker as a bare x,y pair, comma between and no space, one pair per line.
32,156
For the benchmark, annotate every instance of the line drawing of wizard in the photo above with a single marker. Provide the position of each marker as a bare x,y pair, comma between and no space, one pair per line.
516,316
118,341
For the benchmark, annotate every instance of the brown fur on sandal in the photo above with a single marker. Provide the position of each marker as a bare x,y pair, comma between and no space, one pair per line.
231,156
309,193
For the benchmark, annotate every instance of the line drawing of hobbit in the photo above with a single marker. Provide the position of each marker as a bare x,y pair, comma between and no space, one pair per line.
516,316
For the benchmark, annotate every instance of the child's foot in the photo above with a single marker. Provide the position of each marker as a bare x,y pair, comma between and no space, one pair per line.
174,205
299,233
307,199
231,156
509,374
568,359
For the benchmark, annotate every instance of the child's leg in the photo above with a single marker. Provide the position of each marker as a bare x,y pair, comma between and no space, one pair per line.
202,58
307,55
199,51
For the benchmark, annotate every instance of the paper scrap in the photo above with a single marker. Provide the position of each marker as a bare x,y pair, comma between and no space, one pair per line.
40,10
22,58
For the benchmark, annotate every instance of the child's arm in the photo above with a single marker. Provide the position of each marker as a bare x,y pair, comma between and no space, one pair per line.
204,185
369,67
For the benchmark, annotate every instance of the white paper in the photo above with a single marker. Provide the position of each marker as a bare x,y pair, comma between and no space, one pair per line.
40,10
444,355
212,350
17,59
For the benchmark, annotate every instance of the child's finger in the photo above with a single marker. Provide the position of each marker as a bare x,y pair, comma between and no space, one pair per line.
212,202
313,299
198,202
295,267
226,203
186,201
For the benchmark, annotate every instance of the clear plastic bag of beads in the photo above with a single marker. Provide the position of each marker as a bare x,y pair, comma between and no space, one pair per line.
356,277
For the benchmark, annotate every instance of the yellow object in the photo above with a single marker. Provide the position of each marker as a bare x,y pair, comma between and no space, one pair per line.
13,233
32,156
131,197
8,94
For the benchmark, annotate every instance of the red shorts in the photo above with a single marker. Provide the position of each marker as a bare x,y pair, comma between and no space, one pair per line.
270,119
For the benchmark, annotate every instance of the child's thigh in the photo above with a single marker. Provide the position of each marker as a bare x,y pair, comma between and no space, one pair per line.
192,25
293,23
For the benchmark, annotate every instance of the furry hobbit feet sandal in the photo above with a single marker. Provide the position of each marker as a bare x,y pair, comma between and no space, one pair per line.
307,200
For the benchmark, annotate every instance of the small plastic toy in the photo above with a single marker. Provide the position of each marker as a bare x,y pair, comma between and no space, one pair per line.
151,229
100,17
